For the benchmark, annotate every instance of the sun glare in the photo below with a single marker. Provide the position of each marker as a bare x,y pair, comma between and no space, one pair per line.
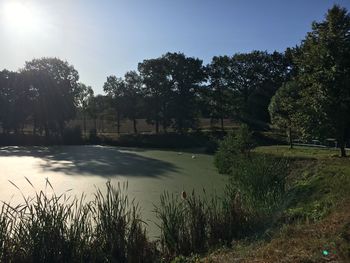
21,17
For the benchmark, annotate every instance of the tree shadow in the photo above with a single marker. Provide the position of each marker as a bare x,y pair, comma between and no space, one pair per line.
93,160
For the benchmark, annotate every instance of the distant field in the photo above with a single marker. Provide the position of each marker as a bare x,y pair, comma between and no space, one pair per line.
110,127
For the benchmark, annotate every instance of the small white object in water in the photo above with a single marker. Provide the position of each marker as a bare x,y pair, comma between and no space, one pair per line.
179,153
193,157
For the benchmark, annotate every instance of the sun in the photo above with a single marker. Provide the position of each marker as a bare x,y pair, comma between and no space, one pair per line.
21,17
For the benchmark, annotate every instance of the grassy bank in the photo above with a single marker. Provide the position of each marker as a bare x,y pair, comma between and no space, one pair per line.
315,223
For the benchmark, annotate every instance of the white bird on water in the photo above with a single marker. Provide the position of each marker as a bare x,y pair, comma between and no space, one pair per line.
193,156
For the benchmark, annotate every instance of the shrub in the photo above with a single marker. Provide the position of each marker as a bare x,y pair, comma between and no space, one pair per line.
232,149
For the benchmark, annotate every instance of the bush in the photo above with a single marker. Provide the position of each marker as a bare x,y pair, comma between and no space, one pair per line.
233,148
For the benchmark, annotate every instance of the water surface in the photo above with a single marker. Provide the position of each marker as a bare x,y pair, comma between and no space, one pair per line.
83,168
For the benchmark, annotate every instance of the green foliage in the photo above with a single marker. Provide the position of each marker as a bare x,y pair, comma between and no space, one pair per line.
53,91
284,108
260,182
324,70
171,84
233,148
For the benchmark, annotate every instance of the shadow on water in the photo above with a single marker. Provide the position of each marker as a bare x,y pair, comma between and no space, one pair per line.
93,160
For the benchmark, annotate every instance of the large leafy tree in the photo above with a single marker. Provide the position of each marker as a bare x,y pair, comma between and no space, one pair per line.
157,92
15,100
324,69
133,103
54,87
184,76
84,96
220,94
171,83
115,88
256,77
285,108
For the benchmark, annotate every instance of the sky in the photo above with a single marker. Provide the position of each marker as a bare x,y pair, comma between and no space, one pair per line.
110,37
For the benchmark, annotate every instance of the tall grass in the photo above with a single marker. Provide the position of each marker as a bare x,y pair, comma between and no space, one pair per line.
260,181
196,223
250,204
53,228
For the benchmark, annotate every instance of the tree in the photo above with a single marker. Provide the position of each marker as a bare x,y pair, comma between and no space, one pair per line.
157,92
184,76
85,93
284,108
220,91
115,89
171,84
256,77
133,97
324,69
15,100
54,87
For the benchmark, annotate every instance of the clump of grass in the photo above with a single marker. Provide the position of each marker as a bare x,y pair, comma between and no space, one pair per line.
171,214
197,223
261,182
53,228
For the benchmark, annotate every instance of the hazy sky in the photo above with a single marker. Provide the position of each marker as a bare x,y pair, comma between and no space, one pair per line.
103,37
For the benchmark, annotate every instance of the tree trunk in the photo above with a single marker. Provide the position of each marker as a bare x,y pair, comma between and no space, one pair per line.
34,127
118,123
84,124
135,128
157,126
342,139
290,138
343,151
342,148
222,123
47,133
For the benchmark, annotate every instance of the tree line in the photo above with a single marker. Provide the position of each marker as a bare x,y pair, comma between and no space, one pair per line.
304,90
171,91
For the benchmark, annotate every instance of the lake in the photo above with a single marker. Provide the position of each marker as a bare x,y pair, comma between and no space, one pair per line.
148,173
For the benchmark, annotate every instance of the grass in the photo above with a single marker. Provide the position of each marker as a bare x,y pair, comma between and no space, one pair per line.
316,216
52,228
299,152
